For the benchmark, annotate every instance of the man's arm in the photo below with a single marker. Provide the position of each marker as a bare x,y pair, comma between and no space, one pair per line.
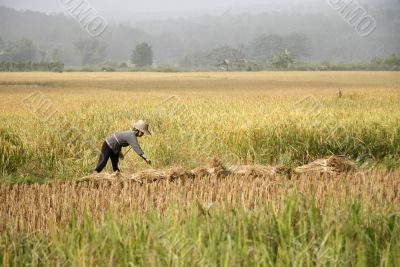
135,145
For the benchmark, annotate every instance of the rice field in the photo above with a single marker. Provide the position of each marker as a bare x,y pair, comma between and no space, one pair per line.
242,118
52,127
350,219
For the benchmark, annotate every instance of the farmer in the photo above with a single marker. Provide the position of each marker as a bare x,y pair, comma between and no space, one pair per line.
112,146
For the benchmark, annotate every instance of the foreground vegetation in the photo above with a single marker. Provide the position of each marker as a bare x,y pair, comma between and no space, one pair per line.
346,220
36,207
300,235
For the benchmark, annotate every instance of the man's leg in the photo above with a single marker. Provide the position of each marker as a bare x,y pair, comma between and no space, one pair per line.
104,155
114,160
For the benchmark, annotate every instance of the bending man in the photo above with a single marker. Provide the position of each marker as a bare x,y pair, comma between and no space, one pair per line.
111,148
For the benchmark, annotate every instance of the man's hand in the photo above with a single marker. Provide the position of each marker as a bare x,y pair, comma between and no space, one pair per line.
121,155
146,159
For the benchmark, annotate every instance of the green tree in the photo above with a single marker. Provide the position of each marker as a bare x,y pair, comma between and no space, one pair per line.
142,56
2,52
264,46
55,55
43,55
393,62
215,56
23,50
298,44
91,51
282,61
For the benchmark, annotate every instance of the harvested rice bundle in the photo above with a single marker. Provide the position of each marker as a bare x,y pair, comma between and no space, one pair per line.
150,175
218,169
102,176
97,176
178,173
256,170
330,165
168,174
201,171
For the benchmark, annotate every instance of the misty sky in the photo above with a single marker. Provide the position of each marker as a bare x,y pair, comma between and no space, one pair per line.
147,6
180,29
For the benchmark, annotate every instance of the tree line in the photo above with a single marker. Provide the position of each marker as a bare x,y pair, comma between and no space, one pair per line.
263,53
22,54
7,66
278,50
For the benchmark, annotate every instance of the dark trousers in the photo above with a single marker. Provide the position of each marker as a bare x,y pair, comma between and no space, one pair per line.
105,154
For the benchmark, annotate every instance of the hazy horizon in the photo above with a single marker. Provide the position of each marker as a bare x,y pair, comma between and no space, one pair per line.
148,6
188,31
122,10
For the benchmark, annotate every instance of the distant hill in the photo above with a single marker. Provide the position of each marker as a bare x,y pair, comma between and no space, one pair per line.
173,39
